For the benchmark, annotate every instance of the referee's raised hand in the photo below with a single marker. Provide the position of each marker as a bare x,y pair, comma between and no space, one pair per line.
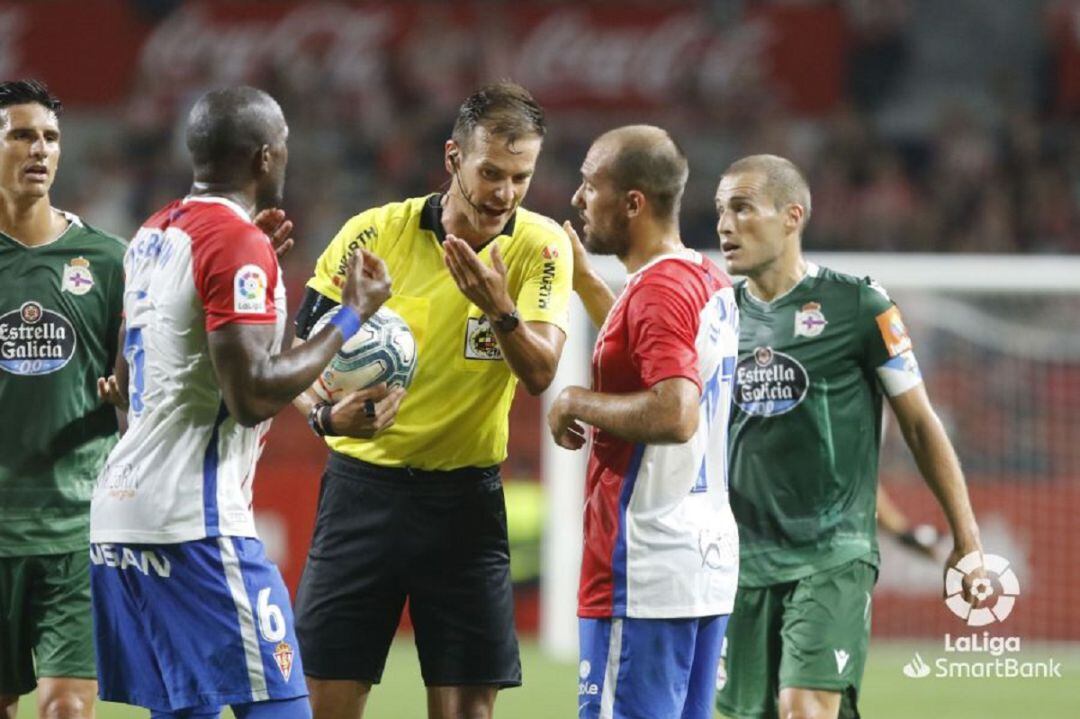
484,286
367,284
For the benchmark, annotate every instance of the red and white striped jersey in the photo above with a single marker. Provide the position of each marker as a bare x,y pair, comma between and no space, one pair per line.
184,468
660,538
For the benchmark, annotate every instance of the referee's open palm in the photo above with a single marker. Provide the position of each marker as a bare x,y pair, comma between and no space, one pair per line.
484,286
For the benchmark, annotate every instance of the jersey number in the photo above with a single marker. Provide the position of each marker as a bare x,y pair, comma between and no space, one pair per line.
271,620
136,359
710,397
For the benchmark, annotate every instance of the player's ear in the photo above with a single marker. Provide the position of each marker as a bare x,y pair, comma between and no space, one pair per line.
635,203
793,217
452,156
262,160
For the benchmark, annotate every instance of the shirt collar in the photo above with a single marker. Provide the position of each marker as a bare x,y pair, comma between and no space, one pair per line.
240,211
812,271
431,219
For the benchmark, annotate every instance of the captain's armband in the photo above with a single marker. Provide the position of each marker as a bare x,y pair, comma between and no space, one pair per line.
899,374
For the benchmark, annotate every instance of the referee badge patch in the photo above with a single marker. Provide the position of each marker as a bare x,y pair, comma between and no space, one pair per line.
480,342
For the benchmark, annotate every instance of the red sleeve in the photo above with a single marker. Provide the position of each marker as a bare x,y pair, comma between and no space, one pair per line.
663,327
236,273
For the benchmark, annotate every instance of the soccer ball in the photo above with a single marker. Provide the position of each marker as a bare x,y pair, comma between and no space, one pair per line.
382,350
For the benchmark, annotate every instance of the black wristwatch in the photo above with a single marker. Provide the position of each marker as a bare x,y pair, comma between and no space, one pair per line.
507,322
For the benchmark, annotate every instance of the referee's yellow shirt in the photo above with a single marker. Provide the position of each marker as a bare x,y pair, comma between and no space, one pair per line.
455,413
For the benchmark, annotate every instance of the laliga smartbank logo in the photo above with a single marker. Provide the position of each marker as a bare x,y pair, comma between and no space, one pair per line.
982,589
993,589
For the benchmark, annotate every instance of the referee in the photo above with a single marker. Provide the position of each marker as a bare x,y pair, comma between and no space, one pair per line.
411,503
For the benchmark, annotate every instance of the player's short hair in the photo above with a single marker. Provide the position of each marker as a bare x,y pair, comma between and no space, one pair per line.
21,92
784,181
505,109
648,159
230,124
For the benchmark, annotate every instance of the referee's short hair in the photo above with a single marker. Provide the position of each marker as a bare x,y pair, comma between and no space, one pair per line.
22,92
503,108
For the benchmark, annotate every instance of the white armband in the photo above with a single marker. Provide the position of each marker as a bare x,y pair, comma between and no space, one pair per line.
900,374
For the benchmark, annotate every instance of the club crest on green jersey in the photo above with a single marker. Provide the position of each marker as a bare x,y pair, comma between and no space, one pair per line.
77,278
810,321
769,383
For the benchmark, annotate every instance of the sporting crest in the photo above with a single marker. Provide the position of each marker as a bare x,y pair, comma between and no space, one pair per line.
283,655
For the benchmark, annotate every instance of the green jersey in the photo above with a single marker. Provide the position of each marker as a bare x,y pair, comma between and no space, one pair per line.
806,425
60,312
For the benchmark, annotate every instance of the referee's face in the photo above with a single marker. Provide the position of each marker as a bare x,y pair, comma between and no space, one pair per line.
490,178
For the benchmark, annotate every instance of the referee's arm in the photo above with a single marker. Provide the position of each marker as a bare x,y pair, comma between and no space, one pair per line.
532,350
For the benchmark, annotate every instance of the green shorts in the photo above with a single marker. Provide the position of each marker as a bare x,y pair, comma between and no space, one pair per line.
45,620
811,634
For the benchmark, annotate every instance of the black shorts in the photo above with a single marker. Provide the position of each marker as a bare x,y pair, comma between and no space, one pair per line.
438,538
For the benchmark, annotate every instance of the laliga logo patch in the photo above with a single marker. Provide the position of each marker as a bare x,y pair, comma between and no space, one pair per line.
283,655
550,253
249,290
77,278
982,589
480,342
809,321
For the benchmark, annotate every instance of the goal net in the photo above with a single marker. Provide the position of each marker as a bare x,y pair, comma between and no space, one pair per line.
998,340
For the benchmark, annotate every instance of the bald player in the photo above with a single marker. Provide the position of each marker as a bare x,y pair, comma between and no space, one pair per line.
189,614
818,350
660,562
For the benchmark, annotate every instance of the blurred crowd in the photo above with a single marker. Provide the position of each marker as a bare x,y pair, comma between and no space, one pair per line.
961,180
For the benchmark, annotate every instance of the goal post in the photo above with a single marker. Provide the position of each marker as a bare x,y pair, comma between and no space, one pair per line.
998,340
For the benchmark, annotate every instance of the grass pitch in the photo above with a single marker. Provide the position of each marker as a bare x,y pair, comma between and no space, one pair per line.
550,688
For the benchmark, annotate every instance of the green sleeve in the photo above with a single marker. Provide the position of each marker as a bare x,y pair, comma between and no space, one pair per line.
884,333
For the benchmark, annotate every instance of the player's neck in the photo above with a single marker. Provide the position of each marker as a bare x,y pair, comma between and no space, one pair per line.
243,198
778,278
31,222
654,241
